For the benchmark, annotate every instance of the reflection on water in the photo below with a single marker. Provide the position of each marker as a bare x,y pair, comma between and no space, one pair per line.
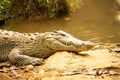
94,21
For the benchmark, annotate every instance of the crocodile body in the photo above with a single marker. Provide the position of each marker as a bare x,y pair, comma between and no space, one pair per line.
31,48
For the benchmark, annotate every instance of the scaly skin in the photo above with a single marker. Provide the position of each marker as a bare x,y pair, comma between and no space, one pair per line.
31,48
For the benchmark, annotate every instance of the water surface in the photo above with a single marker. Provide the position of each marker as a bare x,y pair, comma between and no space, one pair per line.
95,21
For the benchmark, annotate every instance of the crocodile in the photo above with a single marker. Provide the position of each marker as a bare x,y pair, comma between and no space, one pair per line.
32,48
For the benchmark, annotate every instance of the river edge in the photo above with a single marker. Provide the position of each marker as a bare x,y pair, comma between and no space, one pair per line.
102,62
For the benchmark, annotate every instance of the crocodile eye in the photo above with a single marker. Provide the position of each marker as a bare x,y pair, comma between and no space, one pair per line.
59,32
62,34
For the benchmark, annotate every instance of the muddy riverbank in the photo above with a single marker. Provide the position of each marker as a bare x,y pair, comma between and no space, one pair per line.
102,62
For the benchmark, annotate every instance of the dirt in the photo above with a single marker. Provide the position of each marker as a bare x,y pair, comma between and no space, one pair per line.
100,63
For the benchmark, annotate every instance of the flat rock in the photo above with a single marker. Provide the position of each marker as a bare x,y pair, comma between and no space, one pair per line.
5,77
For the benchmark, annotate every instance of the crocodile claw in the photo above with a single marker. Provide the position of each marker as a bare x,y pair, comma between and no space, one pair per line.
37,61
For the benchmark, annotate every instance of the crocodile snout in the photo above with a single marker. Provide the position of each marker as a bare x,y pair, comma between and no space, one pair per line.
88,44
83,46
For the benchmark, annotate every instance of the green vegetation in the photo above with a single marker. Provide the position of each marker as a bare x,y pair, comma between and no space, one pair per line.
54,7
4,8
58,7
28,8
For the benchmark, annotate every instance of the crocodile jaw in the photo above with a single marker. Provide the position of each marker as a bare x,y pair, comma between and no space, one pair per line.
76,47
64,41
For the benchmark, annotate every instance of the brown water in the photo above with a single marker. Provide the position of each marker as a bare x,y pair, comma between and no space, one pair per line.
95,21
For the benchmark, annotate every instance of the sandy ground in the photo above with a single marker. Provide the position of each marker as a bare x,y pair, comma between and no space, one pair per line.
98,64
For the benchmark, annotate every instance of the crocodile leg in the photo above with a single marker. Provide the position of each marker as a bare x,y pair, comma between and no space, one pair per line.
16,58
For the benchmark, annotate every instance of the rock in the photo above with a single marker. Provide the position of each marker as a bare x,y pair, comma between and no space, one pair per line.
94,72
113,72
29,68
69,73
41,72
5,70
14,74
5,64
67,19
14,68
5,77
117,50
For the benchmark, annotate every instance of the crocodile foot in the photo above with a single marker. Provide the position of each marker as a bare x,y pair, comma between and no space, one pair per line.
21,60
37,61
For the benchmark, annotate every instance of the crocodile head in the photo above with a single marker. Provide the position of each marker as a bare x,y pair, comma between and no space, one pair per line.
60,40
